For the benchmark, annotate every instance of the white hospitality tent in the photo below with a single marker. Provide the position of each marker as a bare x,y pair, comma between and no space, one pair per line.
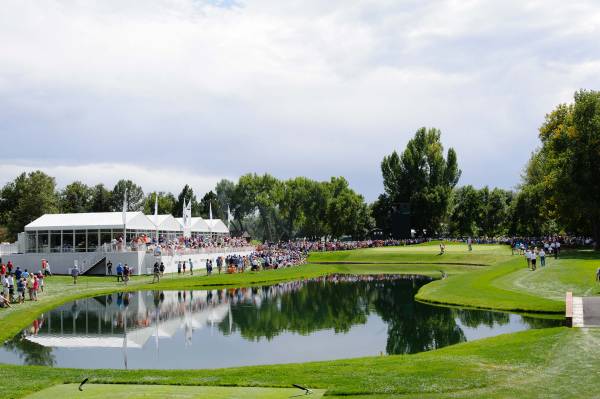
198,225
217,226
83,232
167,226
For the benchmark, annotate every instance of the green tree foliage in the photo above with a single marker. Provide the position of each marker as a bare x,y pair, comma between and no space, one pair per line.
479,212
26,198
495,211
166,203
563,176
204,206
135,196
467,207
187,195
347,212
271,209
101,199
76,198
225,191
422,177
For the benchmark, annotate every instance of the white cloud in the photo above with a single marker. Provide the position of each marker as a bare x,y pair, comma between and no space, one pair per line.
312,88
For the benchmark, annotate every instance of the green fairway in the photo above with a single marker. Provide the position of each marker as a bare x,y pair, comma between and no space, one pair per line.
419,254
125,391
557,362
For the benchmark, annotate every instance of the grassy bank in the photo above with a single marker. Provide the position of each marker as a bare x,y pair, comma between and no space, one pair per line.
535,363
556,362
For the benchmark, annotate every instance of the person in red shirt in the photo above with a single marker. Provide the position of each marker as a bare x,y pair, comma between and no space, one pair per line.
36,287
2,269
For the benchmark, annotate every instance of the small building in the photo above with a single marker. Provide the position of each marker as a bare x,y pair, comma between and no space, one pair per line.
83,232
90,241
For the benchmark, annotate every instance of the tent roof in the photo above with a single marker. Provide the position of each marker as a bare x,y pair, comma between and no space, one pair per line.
217,226
199,225
96,220
166,222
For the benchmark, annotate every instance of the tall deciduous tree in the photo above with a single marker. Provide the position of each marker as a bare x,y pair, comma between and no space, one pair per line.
166,203
101,199
569,160
26,198
187,195
76,198
494,212
135,196
466,210
204,206
422,177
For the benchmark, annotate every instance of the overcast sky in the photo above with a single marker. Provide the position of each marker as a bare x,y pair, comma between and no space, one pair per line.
166,92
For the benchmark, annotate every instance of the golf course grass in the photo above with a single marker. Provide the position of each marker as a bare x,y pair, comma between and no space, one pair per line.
555,362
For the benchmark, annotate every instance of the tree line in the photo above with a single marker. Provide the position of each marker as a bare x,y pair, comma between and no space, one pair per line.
559,192
260,205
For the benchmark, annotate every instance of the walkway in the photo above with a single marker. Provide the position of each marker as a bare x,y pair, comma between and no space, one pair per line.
585,311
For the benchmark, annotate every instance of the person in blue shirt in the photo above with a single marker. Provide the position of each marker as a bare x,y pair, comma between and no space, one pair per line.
119,272
25,274
18,273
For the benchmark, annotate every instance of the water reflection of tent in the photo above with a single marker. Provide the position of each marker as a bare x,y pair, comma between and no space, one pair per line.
136,337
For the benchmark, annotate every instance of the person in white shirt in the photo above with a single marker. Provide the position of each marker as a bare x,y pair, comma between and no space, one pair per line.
533,258
542,258
557,251
4,286
528,258
11,287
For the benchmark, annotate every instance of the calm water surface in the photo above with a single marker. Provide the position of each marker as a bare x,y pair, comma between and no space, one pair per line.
318,319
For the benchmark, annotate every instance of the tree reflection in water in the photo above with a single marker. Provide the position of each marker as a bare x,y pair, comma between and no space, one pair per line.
31,353
336,303
340,302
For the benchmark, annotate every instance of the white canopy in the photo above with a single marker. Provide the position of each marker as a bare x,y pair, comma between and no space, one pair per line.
166,223
199,225
217,226
90,221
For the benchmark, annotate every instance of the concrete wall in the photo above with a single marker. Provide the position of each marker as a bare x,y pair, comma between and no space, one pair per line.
199,260
60,263
141,262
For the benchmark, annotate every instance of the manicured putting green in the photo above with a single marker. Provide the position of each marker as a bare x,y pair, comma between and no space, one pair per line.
124,391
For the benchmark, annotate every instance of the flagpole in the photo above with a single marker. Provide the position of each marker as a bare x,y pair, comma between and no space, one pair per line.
125,221
156,214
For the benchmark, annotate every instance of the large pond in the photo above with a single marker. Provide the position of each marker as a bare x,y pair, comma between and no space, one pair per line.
318,319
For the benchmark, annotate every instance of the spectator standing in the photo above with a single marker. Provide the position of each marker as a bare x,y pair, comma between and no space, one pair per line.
528,258
119,272
156,272
75,274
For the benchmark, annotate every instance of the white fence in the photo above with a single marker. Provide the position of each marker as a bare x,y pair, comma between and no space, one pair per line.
7,248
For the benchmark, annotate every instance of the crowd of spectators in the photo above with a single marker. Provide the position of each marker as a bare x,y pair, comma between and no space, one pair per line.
17,284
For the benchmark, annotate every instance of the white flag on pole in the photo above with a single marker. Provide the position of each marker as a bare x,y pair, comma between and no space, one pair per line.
156,206
210,210
184,213
125,207
229,215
